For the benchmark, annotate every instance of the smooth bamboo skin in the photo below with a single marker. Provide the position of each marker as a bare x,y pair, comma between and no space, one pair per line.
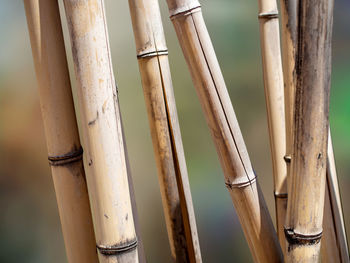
239,176
160,101
334,246
308,172
62,138
274,95
105,162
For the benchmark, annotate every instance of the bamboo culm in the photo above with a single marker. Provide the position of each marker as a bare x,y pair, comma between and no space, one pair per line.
306,187
153,62
105,159
61,131
334,245
210,86
274,95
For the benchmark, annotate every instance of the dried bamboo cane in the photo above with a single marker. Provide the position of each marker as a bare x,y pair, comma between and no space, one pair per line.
274,95
106,166
62,138
334,246
152,56
239,176
308,172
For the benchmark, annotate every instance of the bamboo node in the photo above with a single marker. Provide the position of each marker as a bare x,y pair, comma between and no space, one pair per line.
185,10
232,185
287,158
67,158
153,53
268,15
118,248
281,195
294,238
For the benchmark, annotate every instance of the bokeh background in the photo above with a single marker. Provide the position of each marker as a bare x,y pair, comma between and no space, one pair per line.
29,222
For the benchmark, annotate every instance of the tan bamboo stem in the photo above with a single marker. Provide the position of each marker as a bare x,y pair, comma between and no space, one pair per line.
106,166
62,138
334,246
308,172
239,176
273,83
152,56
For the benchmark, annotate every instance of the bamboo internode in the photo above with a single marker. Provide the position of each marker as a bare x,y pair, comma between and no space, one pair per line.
239,176
61,131
105,160
158,92
308,172
274,95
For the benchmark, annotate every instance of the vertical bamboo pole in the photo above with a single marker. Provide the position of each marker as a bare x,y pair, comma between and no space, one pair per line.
273,83
106,167
334,246
152,56
239,176
307,183
62,138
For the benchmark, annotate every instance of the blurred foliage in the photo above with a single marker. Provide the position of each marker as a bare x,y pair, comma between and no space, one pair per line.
29,222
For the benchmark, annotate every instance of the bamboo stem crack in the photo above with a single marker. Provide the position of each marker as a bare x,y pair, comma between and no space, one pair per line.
67,158
118,248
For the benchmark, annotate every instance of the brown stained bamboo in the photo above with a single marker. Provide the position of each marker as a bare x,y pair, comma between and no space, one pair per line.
154,68
306,190
61,131
274,95
239,176
334,247
334,244
105,159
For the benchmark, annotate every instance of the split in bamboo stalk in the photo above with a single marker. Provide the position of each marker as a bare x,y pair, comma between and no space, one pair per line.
106,167
304,217
62,138
158,92
273,84
334,246
239,176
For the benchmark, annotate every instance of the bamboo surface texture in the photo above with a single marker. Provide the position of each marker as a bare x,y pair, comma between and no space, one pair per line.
310,132
239,176
154,68
274,95
334,245
63,144
105,159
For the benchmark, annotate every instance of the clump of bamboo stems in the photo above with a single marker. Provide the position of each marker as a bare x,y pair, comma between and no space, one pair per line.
240,179
308,172
273,83
334,246
152,56
106,166
62,138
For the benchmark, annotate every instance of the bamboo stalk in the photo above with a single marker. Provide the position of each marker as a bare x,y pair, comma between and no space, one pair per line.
152,56
106,166
334,246
239,176
273,83
62,138
308,172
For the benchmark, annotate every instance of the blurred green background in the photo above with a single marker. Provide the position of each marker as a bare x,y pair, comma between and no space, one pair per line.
29,223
